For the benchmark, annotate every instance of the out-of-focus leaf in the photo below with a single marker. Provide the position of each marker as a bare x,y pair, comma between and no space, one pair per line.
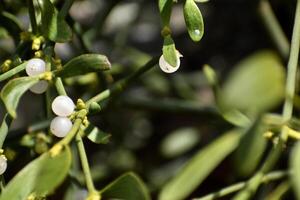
251,149
128,186
96,135
165,9
13,91
193,20
255,85
169,51
11,24
179,142
41,176
199,167
236,118
54,26
295,166
84,64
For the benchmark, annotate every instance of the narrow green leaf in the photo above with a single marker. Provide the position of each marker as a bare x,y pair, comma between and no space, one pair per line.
169,51
41,177
128,186
165,9
251,149
295,168
256,84
96,135
193,20
13,71
13,91
54,26
4,128
199,167
84,64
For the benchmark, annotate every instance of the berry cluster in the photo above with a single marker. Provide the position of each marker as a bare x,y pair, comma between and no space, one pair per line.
34,67
63,107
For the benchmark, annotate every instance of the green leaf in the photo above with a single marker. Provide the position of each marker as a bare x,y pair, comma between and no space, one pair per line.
54,26
193,20
11,24
165,9
179,142
13,71
4,129
251,149
256,84
13,91
128,186
96,135
169,51
236,118
295,166
199,167
41,176
84,64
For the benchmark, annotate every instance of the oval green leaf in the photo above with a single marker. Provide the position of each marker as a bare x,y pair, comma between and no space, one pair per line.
13,91
199,167
179,142
169,51
39,177
256,84
295,166
84,64
250,149
128,186
193,20
54,26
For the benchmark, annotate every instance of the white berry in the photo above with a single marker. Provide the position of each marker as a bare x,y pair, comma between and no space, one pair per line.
39,87
63,106
60,126
166,67
3,164
35,66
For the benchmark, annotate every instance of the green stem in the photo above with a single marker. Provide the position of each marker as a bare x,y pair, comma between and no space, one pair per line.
272,176
85,164
292,67
122,84
12,72
273,27
75,128
60,87
275,153
32,16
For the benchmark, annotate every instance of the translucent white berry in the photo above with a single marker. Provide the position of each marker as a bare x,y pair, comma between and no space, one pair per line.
166,67
39,87
63,106
35,66
60,126
3,164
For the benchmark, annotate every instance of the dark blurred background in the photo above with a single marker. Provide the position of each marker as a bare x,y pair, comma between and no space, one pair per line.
147,136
